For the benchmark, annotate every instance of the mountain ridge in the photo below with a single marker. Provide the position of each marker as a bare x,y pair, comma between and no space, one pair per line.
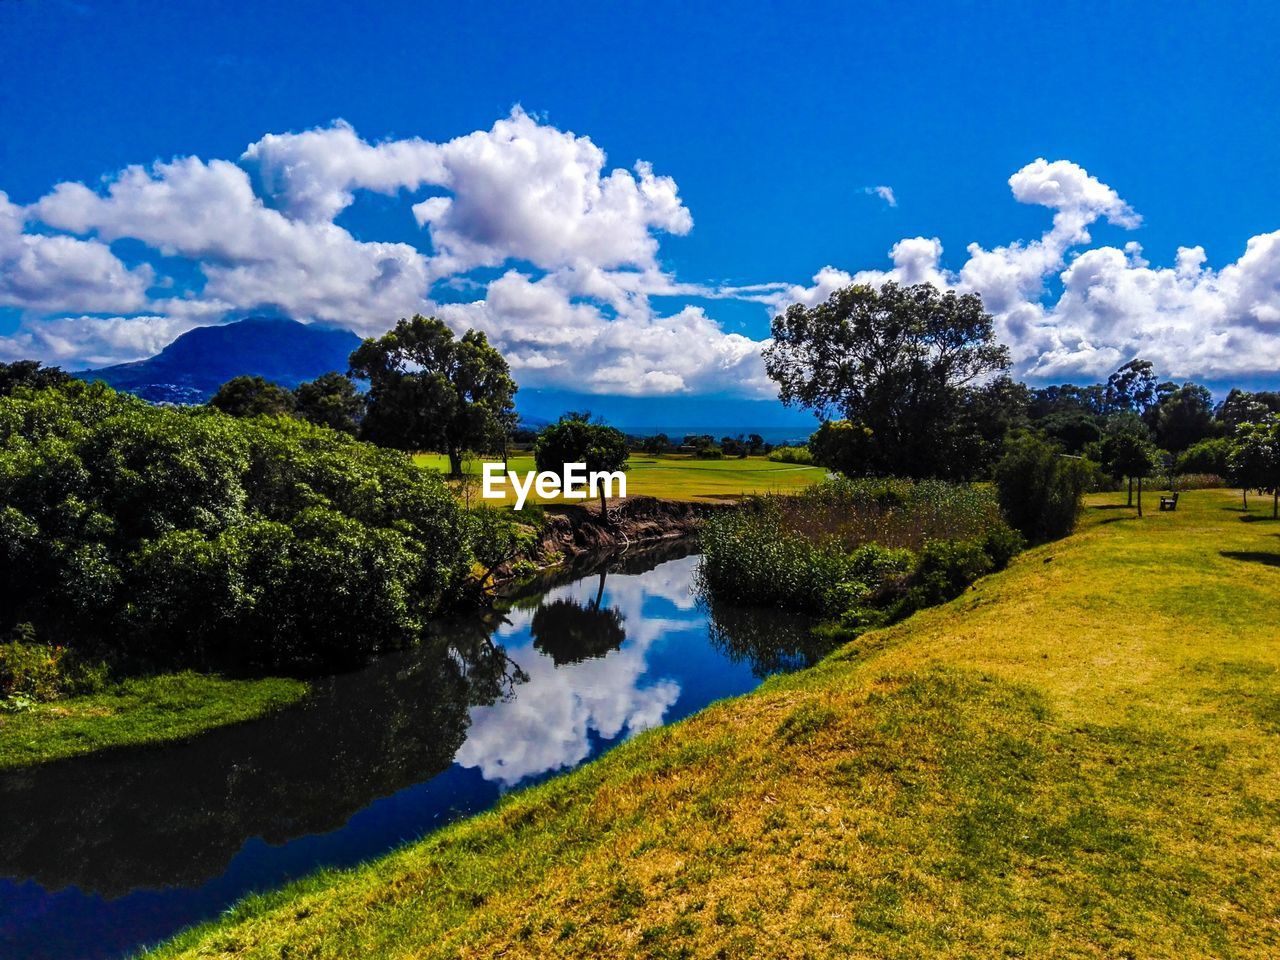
192,367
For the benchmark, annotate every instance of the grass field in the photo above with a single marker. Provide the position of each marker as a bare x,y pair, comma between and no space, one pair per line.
677,477
1080,757
138,711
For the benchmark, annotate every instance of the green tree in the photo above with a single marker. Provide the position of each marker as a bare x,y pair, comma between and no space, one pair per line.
430,390
895,360
331,400
1184,416
1132,388
575,438
252,397
1040,490
1127,451
29,373
1255,459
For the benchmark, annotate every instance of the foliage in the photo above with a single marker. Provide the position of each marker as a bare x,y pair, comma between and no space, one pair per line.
1207,456
29,374
849,547
1132,388
575,438
331,400
785,454
1255,458
1040,490
896,361
1183,416
169,536
253,397
430,391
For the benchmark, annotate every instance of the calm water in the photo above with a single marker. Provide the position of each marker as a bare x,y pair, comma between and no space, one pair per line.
100,855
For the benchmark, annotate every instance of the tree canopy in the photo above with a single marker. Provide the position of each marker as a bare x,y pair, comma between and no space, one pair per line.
897,361
575,438
431,391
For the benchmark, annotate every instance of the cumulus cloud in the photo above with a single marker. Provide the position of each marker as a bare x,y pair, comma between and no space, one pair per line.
1192,321
578,312
557,257
552,720
59,273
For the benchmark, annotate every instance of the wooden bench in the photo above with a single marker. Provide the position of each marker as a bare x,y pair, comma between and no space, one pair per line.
1169,503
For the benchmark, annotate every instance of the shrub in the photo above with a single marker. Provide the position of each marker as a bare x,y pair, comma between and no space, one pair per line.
1040,491
848,548
181,537
784,454
1206,457
1199,481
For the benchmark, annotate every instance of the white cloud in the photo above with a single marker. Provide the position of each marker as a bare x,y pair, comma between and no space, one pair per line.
549,723
1191,321
578,244
58,273
884,193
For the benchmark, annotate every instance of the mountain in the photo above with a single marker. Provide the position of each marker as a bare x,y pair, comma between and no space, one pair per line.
192,367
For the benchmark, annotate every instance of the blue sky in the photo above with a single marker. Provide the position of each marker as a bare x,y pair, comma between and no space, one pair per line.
773,122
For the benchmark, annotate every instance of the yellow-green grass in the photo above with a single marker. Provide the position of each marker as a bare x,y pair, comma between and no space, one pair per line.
138,711
674,477
1080,757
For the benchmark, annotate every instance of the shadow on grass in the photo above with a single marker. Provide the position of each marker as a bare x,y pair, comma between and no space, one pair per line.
1256,518
1253,556
1114,506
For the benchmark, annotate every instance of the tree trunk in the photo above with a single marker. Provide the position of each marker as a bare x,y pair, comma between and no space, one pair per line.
1139,496
455,463
1275,503
1130,503
1244,492
604,509
600,592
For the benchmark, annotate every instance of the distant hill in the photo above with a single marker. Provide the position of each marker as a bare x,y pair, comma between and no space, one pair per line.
191,369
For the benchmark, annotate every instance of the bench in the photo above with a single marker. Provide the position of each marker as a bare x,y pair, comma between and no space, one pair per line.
1169,503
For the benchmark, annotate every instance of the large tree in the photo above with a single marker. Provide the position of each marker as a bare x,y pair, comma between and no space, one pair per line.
1183,416
897,361
575,438
1132,388
430,390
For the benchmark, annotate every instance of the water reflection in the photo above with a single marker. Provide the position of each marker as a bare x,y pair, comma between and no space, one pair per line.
108,852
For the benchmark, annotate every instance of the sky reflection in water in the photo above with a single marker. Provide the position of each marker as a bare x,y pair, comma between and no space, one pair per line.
102,854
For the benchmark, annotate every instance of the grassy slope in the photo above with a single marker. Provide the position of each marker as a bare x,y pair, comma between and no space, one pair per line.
1078,758
138,711
679,477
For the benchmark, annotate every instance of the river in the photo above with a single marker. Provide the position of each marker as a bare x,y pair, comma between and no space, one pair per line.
103,854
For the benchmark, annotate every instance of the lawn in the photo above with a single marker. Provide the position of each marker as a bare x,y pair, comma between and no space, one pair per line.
676,477
137,711
1080,757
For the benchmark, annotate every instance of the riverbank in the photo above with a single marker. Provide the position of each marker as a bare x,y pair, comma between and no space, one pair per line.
1077,757
142,710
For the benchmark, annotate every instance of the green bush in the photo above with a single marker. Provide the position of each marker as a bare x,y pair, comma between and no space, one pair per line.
799,455
1206,457
1040,490
944,570
845,548
167,537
